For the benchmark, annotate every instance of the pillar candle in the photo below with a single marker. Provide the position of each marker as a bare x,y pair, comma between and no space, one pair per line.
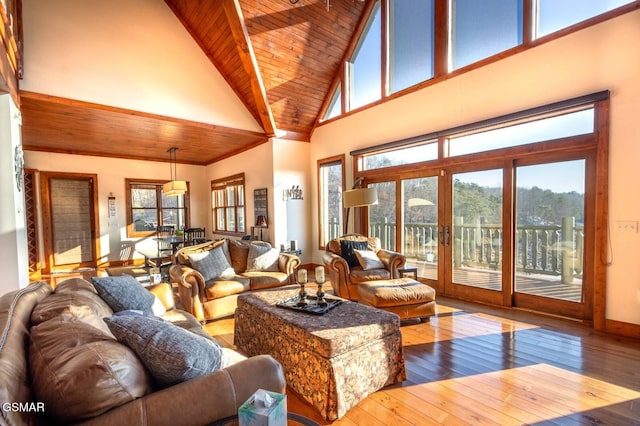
320,274
302,275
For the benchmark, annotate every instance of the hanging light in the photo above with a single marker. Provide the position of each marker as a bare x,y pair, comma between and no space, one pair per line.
174,187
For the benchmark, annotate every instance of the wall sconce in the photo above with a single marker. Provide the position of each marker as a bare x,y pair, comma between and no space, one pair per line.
295,193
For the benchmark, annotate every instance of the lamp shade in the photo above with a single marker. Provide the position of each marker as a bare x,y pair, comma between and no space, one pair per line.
174,188
359,197
261,221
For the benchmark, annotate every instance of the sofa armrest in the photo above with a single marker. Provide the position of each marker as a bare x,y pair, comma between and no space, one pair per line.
191,287
392,261
164,292
338,269
288,263
208,398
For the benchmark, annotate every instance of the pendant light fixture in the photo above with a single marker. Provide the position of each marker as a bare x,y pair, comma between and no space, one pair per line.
174,187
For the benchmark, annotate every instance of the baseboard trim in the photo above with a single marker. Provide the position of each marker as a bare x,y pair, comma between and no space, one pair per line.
622,328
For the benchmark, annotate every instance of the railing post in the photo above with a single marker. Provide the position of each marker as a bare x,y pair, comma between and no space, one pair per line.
568,249
457,241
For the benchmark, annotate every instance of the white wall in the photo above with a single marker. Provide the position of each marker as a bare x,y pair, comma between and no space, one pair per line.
112,172
13,237
605,56
127,54
293,217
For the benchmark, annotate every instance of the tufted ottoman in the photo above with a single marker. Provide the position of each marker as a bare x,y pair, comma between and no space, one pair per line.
403,296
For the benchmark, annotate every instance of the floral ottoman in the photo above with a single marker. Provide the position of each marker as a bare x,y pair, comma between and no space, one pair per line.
333,360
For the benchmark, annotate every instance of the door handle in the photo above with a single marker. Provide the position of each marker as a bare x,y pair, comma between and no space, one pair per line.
444,235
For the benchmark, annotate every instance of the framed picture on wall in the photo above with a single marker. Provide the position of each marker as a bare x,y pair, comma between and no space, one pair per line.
260,208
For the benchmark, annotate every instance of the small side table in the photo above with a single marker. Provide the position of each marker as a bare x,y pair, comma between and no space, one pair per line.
408,270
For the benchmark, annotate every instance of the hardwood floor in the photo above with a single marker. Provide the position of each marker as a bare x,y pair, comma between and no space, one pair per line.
478,365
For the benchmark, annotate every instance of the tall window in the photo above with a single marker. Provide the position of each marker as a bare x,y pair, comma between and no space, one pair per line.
227,203
335,106
412,47
330,187
554,15
410,43
364,69
480,29
148,207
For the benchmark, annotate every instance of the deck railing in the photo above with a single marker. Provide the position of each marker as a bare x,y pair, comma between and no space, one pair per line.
548,250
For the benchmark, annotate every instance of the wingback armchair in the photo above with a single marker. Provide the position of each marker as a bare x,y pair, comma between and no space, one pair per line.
345,277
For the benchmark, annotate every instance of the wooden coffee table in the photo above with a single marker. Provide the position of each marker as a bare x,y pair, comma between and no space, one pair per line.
334,360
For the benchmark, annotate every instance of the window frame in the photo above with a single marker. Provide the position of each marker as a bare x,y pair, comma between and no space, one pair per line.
324,162
441,57
130,184
223,184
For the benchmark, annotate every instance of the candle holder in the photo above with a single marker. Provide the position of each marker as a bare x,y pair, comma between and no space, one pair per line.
301,278
320,300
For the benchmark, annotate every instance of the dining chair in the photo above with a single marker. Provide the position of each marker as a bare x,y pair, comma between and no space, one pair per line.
165,249
193,236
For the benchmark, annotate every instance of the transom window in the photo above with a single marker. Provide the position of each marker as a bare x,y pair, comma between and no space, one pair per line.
148,207
227,204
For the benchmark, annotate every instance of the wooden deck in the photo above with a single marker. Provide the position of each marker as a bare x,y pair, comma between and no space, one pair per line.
476,365
540,285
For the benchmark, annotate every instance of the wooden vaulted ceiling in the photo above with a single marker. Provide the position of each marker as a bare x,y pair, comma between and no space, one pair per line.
280,57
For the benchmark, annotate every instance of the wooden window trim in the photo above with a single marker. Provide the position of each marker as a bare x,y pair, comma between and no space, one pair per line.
441,47
336,159
131,232
222,184
587,146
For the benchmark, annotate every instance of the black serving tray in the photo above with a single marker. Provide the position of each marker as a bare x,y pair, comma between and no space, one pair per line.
311,307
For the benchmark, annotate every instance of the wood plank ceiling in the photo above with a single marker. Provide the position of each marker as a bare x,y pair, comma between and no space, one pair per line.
279,56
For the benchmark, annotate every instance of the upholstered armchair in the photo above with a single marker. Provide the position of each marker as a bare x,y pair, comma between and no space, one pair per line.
346,270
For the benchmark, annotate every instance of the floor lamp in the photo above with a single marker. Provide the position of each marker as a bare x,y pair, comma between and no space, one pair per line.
357,197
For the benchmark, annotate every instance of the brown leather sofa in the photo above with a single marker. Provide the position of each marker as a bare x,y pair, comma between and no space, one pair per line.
345,278
217,298
100,381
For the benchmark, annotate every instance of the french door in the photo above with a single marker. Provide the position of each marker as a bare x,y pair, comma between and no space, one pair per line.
510,233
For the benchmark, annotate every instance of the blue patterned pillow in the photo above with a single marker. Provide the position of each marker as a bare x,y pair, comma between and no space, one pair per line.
211,264
347,248
123,293
171,354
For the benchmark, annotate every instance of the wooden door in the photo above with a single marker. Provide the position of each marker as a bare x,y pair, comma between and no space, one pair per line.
70,221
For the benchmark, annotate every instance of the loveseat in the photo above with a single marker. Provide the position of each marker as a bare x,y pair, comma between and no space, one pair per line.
210,276
60,364
346,270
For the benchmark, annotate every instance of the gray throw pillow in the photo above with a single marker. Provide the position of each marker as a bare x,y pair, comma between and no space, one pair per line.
211,264
123,292
262,258
170,353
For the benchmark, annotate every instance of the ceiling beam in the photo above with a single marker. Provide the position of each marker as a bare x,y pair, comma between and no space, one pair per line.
249,62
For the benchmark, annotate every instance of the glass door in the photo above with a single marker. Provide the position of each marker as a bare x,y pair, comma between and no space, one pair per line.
474,237
550,236
420,225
